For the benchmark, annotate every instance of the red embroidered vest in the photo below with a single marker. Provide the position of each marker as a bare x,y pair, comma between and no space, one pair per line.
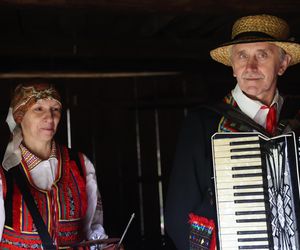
62,208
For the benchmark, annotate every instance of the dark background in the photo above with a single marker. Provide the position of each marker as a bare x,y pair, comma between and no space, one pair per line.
128,71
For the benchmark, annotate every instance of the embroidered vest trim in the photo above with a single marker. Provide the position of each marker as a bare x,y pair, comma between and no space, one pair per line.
225,124
62,208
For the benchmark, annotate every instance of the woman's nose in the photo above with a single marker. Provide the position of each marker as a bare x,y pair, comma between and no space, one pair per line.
48,115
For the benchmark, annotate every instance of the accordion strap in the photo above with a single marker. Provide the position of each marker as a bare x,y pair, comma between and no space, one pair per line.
238,117
22,183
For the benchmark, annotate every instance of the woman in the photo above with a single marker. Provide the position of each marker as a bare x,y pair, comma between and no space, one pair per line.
62,184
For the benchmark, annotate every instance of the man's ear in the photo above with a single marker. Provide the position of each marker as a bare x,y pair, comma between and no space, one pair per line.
284,64
233,72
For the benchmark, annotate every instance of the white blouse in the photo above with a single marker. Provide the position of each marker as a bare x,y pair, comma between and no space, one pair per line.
43,176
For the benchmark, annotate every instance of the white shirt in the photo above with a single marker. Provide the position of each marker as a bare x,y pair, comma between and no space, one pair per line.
43,176
252,108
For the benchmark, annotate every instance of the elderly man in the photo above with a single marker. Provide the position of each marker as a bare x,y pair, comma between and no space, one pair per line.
259,52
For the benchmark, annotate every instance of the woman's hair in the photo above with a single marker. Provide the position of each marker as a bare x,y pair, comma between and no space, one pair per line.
27,94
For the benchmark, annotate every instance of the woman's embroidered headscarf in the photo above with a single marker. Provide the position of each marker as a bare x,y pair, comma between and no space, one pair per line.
25,95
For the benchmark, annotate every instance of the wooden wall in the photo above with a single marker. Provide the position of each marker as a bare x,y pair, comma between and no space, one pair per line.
128,127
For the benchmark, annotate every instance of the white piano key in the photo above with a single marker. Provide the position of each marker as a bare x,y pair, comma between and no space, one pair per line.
240,198
227,178
230,240
228,219
236,206
233,161
227,147
233,220
230,184
229,230
253,162
226,141
233,210
242,226
235,237
232,172
224,154
226,244
232,192
229,166
237,248
231,248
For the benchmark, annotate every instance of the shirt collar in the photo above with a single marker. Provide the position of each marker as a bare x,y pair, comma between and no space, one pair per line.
251,107
31,159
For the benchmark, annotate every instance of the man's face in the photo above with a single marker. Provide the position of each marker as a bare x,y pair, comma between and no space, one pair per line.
256,67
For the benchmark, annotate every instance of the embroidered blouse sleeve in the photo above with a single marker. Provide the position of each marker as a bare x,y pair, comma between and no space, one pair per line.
2,211
94,217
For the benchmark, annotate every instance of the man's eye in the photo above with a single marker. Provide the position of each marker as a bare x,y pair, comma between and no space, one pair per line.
243,56
262,55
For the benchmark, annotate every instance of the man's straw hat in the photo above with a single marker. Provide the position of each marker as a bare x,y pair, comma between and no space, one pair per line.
259,28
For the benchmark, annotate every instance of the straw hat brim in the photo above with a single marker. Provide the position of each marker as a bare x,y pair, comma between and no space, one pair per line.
222,53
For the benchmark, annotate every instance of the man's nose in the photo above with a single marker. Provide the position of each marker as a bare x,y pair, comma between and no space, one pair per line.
252,63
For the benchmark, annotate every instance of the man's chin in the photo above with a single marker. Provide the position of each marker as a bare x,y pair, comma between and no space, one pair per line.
252,93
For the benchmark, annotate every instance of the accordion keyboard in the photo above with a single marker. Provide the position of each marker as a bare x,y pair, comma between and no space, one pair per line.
240,193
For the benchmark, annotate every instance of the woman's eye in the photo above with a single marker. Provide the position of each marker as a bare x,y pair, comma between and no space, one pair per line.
56,110
38,109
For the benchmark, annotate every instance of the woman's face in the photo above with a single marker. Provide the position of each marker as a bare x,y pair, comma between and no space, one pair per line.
40,122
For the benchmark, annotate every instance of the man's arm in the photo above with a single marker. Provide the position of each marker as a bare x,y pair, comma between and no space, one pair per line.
184,191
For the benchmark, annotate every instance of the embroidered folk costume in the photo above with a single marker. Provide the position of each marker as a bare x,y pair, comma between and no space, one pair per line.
65,191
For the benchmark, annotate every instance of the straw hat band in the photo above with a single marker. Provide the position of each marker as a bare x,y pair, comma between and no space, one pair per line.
252,34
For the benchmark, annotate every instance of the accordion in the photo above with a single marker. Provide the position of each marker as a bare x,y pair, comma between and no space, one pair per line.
257,191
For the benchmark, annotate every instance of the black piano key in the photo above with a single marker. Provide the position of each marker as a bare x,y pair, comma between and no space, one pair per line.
250,212
244,149
248,193
249,201
252,232
246,167
235,143
252,239
246,175
251,220
245,156
247,186
255,247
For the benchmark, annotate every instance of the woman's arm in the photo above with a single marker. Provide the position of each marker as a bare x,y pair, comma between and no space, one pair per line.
94,217
2,210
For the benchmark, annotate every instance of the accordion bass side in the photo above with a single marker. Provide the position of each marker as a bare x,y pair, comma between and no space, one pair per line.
257,191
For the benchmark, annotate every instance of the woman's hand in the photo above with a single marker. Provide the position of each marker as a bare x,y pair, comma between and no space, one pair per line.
113,247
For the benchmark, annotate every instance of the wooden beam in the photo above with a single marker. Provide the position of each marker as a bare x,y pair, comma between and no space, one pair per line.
108,48
82,75
203,6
